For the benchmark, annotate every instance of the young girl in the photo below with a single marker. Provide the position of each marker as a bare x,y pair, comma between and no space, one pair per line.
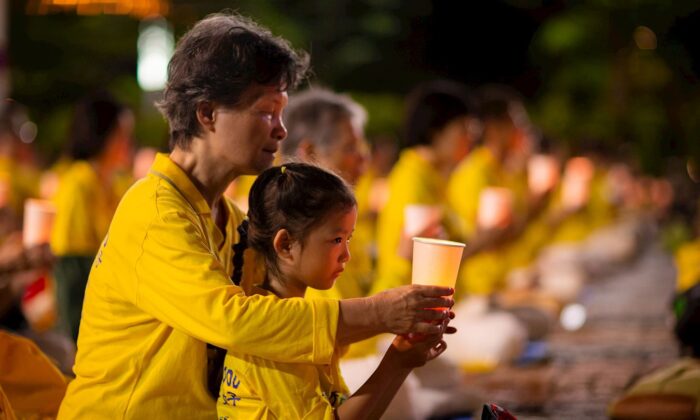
301,220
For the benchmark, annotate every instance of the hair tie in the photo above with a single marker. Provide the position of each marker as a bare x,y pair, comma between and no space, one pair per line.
283,168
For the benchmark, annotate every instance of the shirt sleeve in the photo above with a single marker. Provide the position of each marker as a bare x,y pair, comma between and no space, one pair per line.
181,283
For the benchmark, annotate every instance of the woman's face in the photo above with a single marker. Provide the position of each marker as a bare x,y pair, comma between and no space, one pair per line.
245,139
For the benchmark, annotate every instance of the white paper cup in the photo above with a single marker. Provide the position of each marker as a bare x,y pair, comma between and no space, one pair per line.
495,208
576,184
417,217
542,173
39,216
436,262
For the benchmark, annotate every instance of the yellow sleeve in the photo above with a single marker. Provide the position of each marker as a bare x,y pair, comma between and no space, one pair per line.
463,191
179,282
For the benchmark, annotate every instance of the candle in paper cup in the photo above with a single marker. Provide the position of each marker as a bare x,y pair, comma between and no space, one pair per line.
495,208
577,182
542,173
4,192
436,261
38,222
417,217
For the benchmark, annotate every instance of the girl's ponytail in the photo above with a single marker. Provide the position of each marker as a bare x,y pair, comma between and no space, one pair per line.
238,251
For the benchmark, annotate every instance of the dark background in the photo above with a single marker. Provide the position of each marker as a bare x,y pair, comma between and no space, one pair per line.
586,81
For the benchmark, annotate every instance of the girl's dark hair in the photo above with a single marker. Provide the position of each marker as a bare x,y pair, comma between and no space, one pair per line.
96,116
218,60
296,197
431,106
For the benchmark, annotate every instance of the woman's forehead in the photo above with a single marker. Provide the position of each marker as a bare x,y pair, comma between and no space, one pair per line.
265,93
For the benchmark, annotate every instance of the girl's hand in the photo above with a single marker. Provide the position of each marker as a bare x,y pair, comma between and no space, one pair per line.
409,353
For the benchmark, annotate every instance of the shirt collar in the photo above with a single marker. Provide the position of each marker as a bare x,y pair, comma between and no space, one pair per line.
168,170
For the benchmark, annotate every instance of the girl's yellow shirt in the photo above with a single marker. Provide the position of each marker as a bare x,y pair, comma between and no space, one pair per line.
159,290
260,388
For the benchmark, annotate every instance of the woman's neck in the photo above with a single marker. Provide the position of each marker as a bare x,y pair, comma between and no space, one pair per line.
284,288
207,174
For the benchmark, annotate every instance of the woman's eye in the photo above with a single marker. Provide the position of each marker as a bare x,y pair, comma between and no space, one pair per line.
338,240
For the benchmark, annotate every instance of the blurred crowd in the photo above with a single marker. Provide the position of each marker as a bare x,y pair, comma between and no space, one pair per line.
539,221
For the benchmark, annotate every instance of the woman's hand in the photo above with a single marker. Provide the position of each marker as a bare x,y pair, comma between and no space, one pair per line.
406,309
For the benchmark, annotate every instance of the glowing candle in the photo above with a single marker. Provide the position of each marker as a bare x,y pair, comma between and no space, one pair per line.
38,222
418,217
542,173
436,262
577,182
495,208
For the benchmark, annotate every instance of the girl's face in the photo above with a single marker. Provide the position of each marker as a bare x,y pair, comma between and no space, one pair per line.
318,262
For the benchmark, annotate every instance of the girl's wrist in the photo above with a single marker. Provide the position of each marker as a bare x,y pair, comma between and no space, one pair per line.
396,361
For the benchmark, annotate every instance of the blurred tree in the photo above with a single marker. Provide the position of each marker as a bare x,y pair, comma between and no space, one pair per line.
613,71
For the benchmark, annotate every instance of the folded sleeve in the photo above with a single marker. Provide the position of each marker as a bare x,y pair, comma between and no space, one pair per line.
181,283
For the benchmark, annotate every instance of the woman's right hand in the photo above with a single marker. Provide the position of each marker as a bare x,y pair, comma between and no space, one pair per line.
406,309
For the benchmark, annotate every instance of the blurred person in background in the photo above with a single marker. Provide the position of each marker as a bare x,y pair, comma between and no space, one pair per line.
440,126
19,177
499,161
87,196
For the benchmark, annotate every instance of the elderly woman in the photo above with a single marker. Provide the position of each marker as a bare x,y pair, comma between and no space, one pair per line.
161,285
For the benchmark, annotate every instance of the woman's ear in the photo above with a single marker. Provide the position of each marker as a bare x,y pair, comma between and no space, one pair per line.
206,115
306,151
283,244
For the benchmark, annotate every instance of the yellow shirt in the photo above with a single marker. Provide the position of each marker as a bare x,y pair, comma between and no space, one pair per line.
158,291
32,383
413,180
687,261
22,182
84,209
259,388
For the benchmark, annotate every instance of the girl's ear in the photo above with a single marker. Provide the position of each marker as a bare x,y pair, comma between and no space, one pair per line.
282,243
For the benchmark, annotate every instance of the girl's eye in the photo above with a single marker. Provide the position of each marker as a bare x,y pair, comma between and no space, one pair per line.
267,114
338,240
